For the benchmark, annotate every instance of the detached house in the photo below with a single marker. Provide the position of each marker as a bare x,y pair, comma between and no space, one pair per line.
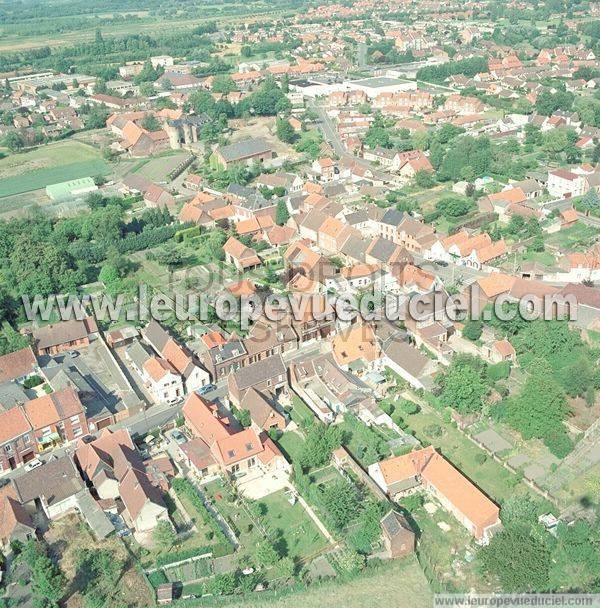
565,184
221,450
113,466
240,256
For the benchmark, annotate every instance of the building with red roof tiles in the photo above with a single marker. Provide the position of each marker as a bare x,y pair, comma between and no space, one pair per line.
17,442
428,469
56,418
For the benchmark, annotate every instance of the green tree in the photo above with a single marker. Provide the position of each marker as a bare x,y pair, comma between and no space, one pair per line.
14,141
576,558
340,502
518,560
320,443
378,134
463,386
223,84
150,123
472,329
540,407
282,214
244,418
164,535
285,131
48,583
424,179
266,555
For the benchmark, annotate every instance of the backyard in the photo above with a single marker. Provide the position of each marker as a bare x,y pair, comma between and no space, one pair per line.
274,517
489,475
68,536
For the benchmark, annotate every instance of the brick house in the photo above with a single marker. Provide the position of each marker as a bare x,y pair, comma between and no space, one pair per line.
56,418
66,335
263,413
16,439
237,454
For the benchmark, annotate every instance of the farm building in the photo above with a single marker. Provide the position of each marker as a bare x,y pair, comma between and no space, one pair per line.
71,189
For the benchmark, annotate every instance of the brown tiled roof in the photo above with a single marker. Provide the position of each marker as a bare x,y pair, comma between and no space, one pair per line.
238,447
355,343
202,416
136,490
18,364
50,409
13,424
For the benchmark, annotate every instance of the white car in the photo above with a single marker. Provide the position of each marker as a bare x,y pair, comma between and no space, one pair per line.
33,464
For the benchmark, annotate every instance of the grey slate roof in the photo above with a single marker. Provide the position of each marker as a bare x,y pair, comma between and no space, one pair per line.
138,354
383,249
231,350
392,217
244,149
56,481
156,335
260,371
355,247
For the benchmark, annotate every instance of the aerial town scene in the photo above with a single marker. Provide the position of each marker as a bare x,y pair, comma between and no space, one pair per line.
299,302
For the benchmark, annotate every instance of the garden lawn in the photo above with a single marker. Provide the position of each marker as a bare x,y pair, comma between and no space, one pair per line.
291,443
490,476
298,536
577,237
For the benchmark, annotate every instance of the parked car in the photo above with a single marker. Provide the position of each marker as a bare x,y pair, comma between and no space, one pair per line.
179,437
33,464
206,389
440,263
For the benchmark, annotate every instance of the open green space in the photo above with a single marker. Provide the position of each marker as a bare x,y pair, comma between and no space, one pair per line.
578,237
59,162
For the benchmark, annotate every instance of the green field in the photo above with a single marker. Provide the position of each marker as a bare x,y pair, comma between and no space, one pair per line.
399,584
49,164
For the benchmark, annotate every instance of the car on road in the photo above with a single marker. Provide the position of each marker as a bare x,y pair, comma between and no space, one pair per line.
440,263
206,389
179,437
33,464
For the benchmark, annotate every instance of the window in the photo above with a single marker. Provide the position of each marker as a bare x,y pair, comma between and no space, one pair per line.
77,432
8,448
74,419
235,468
251,462
26,438
46,431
